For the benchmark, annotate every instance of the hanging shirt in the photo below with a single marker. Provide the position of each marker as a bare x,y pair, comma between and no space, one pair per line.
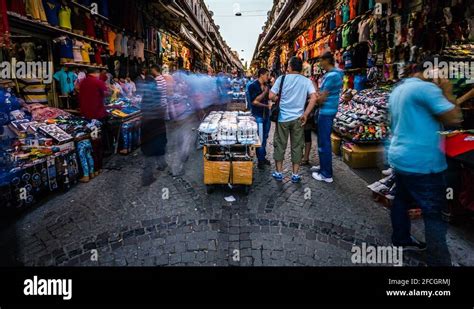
132,52
35,9
86,49
65,49
345,13
140,50
125,46
66,81
118,44
77,51
364,30
29,49
353,8
77,21
98,54
111,40
51,8
90,26
338,17
346,36
92,54
65,17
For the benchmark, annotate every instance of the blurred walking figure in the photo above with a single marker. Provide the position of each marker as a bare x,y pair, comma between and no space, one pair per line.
294,89
182,133
419,108
153,126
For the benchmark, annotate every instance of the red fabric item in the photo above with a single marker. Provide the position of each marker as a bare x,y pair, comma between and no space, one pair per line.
455,145
353,8
98,52
91,98
338,17
332,42
90,27
17,6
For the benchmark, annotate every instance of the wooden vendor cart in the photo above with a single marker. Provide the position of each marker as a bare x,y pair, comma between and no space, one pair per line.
229,165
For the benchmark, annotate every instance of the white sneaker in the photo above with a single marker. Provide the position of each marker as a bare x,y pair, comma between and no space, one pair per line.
387,172
320,177
316,168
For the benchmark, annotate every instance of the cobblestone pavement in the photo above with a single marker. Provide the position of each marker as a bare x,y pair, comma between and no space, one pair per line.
114,221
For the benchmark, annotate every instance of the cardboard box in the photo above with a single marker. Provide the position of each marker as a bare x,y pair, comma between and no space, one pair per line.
362,156
217,172
336,144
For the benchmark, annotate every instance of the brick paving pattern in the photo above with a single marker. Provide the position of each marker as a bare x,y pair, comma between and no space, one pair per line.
114,221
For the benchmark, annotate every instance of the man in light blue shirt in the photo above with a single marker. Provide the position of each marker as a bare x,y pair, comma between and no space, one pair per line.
295,91
418,109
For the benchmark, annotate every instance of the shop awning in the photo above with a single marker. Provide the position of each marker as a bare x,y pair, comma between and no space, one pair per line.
304,10
208,46
189,37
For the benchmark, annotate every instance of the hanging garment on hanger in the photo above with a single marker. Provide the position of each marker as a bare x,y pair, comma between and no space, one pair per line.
65,18
77,51
35,9
51,8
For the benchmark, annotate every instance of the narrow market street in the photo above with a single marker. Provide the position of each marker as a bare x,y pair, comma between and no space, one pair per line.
114,221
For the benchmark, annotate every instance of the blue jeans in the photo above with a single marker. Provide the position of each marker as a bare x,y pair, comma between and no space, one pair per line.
264,125
428,191
84,149
324,144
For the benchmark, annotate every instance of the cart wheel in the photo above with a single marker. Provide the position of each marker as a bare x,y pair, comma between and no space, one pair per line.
246,190
209,189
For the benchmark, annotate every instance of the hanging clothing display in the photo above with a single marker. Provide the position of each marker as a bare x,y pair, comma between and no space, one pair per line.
85,51
65,18
66,80
77,50
52,8
35,10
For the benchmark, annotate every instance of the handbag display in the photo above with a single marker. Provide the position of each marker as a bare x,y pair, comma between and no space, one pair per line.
275,111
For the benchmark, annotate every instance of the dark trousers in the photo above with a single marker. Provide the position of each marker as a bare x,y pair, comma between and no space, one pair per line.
324,144
264,126
428,191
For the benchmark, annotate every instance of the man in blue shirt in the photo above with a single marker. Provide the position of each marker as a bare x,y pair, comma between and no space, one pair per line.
295,91
257,95
418,109
331,88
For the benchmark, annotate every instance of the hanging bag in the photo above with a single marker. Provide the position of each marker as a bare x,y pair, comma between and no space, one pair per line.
275,111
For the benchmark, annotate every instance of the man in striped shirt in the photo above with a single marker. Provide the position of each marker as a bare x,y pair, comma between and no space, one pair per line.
161,83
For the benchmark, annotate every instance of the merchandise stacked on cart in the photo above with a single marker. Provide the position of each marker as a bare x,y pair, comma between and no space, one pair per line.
228,128
364,118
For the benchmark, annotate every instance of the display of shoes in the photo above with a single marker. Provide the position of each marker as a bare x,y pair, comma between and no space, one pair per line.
364,118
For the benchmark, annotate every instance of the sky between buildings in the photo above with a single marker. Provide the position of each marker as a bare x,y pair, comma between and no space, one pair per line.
240,33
